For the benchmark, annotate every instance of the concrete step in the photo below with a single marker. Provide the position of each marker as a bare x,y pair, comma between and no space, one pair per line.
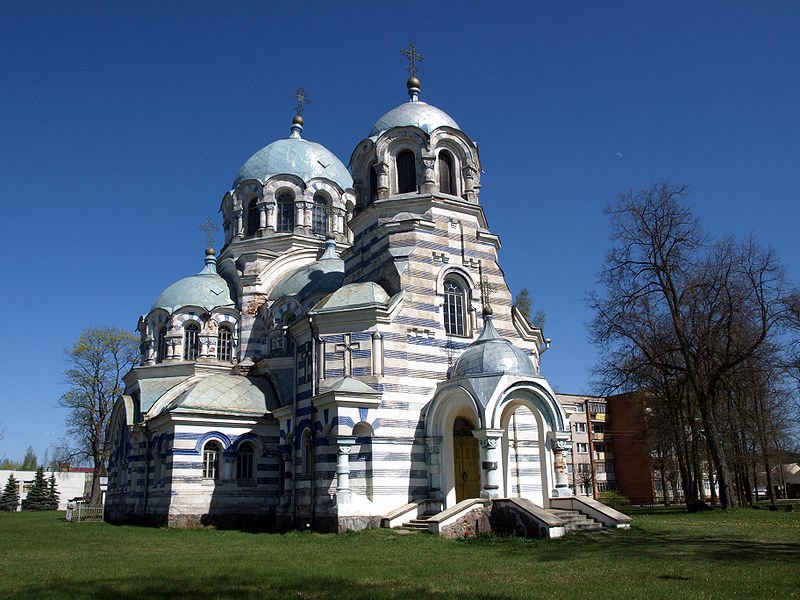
576,521
421,522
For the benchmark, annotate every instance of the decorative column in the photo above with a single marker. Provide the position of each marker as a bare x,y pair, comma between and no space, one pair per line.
174,345
338,221
429,170
238,225
148,352
377,354
469,173
271,215
299,216
560,443
345,444
434,466
382,172
208,340
262,214
491,461
287,474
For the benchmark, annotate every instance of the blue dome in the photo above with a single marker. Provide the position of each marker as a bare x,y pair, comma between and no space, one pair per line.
416,113
227,394
323,275
492,354
354,295
206,289
294,156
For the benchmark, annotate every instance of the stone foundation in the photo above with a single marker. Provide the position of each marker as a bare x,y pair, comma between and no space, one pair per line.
471,523
506,521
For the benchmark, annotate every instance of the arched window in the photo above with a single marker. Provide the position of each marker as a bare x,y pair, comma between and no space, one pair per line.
372,191
446,174
191,341
361,471
161,344
225,343
455,316
244,461
285,212
211,453
406,172
253,217
308,454
320,216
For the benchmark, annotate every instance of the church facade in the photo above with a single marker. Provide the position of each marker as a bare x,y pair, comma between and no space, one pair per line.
352,350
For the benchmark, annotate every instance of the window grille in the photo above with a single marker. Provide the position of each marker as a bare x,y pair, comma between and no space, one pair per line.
225,344
285,212
320,216
191,345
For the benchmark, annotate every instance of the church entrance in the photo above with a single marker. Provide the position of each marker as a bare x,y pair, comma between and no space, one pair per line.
466,461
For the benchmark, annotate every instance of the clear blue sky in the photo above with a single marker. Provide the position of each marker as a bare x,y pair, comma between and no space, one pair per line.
122,126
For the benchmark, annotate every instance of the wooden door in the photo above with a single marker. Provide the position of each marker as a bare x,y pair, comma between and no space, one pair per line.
466,469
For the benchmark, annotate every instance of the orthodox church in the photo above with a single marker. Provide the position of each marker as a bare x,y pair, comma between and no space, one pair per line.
351,357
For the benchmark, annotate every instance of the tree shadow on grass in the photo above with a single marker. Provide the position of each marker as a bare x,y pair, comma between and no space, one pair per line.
613,544
188,586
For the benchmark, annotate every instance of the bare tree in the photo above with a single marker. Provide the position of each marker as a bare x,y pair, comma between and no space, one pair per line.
683,314
96,365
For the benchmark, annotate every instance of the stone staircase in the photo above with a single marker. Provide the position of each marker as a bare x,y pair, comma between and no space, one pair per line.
575,521
418,524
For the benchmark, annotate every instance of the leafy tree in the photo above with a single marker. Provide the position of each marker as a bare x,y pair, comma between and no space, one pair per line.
523,302
524,305
29,463
9,500
6,464
52,492
96,364
38,497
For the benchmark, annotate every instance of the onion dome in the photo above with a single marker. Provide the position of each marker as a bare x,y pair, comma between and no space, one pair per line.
295,156
492,354
415,113
206,289
323,275
227,394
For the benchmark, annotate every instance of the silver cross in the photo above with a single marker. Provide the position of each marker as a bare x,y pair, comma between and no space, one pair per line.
209,229
413,58
302,98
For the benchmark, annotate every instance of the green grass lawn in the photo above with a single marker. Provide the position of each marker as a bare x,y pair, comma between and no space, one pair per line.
742,554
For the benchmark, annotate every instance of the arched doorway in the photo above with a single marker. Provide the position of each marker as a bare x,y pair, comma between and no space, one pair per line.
523,455
466,460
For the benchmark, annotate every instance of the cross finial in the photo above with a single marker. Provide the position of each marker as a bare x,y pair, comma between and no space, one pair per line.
209,228
486,291
302,99
413,58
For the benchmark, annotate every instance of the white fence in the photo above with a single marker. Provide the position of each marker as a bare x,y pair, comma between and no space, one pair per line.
80,512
